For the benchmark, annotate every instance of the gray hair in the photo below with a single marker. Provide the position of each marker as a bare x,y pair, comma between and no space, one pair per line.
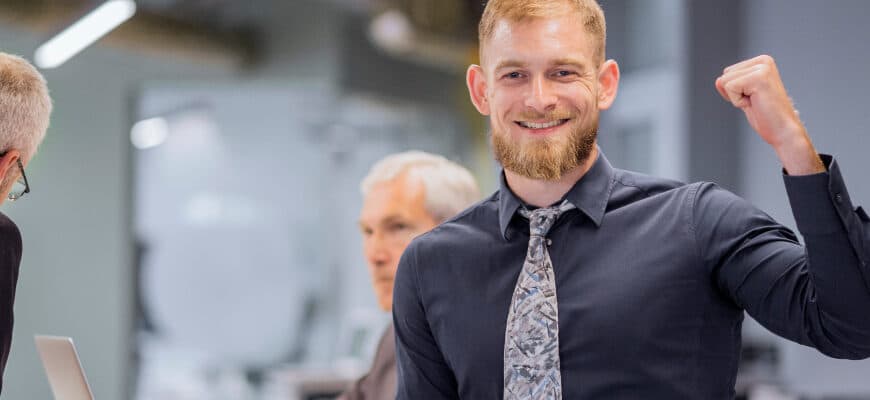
25,106
449,188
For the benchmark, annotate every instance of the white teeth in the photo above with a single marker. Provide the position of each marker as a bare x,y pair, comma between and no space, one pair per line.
541,125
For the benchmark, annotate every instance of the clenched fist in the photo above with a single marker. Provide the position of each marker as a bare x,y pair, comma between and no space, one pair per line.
755,87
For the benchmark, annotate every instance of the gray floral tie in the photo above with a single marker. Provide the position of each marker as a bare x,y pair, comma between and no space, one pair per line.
531,349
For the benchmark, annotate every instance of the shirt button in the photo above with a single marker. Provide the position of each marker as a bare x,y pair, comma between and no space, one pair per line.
839,198
549,241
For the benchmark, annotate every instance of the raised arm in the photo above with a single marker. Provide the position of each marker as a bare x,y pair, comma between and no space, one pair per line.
817,294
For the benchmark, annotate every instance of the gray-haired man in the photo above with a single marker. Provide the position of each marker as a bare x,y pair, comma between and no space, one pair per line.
404,195
24,112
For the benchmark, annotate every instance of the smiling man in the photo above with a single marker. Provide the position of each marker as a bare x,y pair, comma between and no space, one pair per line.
577,280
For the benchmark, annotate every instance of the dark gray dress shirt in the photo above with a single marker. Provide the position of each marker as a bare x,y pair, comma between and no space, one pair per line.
652,280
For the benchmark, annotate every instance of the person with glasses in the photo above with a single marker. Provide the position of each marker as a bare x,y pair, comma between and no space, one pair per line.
25,107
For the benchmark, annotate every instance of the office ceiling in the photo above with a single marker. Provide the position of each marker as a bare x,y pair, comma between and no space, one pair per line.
230,27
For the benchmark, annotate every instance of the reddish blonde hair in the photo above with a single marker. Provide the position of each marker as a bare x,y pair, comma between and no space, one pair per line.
519,10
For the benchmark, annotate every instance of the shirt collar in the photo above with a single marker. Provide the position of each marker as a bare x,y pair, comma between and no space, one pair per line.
590,194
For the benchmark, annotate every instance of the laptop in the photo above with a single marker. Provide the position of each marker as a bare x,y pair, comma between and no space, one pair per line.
63,368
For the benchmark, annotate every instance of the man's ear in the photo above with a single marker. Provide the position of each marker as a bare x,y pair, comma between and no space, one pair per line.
476,82
608,83
8,162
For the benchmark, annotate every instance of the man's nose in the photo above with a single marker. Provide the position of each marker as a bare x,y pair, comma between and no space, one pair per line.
541,97
376,250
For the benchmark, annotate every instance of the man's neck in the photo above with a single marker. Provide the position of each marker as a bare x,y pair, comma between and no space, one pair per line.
543,193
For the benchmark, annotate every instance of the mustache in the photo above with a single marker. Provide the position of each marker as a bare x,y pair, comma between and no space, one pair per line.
549,116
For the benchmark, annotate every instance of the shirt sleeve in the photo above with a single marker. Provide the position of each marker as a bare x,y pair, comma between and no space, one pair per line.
422,371
818,294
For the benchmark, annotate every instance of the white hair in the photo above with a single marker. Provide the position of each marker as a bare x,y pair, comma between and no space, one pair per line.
449,188
25,106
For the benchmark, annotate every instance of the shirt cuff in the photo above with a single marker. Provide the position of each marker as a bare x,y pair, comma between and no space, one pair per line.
819,202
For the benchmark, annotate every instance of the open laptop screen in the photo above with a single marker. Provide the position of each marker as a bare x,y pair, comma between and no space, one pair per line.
63,368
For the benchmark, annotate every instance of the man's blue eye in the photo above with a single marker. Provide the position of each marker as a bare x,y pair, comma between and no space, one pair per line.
513,75
564,73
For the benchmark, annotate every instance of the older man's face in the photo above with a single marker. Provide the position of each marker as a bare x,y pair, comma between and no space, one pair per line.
393,214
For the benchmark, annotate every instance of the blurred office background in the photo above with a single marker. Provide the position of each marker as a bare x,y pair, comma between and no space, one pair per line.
193,216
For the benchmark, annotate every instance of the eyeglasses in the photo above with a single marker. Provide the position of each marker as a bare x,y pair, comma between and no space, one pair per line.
20,187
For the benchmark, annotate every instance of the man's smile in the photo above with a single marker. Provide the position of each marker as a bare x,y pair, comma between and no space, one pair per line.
541,127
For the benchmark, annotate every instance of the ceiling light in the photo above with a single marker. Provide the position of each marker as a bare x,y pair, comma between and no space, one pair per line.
149,133
84,32
393,31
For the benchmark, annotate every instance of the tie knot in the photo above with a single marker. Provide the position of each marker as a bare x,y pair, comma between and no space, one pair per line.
542,219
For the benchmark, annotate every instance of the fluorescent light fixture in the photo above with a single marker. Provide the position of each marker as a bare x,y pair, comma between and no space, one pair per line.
392,30
149,133
83,33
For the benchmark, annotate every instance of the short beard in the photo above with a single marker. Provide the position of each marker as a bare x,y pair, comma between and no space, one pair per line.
546,158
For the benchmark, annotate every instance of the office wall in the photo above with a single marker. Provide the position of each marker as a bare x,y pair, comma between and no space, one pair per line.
821,49
76,271
75,274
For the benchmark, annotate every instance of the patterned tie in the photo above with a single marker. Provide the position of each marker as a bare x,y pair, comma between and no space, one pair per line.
531,350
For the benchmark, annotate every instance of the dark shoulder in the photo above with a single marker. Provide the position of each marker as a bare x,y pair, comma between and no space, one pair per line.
475,224
10,240
9,232
646,184
630,187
